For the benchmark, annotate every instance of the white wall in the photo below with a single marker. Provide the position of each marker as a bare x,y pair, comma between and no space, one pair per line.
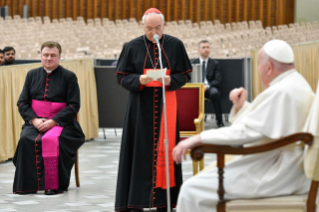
306,10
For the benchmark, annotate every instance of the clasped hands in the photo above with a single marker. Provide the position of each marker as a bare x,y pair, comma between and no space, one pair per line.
42,124
237,96
144,79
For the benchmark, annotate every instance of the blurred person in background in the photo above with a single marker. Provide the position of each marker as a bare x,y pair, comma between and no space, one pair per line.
9,55
1,57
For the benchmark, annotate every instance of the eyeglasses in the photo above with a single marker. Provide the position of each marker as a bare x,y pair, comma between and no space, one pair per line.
148,29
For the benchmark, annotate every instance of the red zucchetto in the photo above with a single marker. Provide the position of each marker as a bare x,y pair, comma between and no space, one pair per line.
152,10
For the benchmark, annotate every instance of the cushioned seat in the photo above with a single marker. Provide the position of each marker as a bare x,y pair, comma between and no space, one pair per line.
296,203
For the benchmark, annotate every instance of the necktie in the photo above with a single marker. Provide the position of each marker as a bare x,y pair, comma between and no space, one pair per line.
204,70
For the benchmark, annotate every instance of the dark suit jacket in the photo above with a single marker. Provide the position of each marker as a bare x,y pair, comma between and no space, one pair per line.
213,74
4,64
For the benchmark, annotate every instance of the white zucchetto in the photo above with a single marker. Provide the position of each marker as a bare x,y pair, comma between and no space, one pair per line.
279,50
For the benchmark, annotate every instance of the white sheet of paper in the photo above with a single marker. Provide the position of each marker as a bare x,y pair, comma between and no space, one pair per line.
155,74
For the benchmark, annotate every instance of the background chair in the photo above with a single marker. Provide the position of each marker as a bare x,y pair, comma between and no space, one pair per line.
76,165
76,170
190,103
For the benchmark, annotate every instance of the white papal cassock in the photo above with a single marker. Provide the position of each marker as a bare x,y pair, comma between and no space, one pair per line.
278,111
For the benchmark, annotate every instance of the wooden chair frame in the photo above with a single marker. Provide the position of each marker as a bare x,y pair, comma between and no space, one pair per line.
199,122
76,164
197,153
76,170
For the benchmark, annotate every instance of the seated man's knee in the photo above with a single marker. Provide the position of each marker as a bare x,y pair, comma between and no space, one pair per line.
214,94
25,140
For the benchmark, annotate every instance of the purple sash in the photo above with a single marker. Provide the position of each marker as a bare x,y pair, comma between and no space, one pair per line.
50,141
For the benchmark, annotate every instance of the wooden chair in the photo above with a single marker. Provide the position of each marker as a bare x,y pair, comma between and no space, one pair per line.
198,152
76,170
300,203
190,103
76,165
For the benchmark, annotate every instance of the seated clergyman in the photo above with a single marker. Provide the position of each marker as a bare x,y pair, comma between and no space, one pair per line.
51,134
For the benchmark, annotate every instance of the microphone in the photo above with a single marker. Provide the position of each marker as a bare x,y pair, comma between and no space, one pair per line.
156,37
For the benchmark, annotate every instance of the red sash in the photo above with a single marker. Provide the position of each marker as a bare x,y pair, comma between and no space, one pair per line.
171,109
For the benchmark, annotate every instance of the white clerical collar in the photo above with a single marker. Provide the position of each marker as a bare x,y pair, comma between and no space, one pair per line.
202,60
49,72
281,76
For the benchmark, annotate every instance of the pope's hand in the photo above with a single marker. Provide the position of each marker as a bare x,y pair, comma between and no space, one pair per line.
167,80
238,97
181,149
145,79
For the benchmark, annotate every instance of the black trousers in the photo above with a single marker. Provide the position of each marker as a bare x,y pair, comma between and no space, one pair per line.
215,97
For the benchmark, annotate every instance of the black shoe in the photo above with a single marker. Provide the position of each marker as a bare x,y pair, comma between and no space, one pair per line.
53,192
220,124
136,210
162,209
49,192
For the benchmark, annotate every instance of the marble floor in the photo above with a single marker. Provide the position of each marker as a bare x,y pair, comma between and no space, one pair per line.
98,162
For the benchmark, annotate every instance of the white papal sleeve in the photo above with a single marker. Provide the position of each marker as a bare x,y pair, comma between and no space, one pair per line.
235,135
234,115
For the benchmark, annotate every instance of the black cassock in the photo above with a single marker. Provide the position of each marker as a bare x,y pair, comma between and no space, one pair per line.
59,86
136,173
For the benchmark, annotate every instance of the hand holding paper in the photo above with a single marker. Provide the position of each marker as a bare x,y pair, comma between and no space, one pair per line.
144,79
167,80
155,74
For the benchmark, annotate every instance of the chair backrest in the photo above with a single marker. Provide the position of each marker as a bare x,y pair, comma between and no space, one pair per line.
311,161
311,157
190,104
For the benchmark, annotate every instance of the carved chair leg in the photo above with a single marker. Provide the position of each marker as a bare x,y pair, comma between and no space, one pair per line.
195,167
201,164
221,191
76,170
311,203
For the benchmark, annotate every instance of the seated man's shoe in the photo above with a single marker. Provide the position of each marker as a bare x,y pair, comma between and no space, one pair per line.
220,124
50,192
136,210
164,209
53,192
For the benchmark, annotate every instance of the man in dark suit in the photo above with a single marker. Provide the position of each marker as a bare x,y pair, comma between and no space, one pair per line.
211,77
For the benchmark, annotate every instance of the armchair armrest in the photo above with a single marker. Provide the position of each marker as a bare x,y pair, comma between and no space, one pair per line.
199,119
199,123
199,150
